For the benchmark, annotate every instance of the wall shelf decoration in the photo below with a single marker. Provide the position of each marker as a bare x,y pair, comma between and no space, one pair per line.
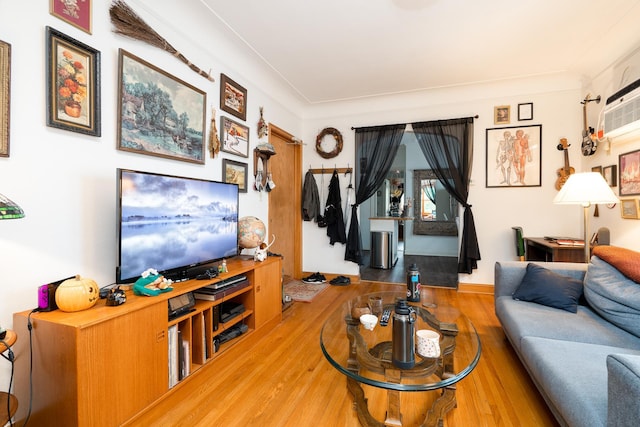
514,156
159,114
73,84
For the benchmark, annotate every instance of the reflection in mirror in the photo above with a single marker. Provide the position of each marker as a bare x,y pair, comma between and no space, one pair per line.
435,210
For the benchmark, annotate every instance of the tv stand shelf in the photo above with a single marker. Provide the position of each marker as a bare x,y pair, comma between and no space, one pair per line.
84,360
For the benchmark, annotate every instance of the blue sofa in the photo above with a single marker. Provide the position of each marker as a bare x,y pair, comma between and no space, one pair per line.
586,364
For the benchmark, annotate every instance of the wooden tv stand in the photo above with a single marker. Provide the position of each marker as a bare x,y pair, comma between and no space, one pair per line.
106,365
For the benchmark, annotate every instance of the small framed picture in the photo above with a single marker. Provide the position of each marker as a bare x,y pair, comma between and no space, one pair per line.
597,169
235,173
234,137
73,84
233,97
628,171
502,115
610,175
629,209
74,12
5,85
525,111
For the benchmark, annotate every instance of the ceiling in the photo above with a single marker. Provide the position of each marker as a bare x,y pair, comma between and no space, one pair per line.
346,49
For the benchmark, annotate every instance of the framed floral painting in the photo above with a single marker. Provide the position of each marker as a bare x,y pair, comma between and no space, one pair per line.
73,84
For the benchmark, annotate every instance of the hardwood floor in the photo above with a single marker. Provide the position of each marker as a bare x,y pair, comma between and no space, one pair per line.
283,379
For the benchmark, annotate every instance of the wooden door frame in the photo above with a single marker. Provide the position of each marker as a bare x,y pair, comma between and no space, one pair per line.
296,197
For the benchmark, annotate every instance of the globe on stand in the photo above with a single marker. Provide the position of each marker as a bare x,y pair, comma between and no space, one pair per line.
251,232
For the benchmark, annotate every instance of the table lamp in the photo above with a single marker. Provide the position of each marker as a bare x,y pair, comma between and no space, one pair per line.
9,209
585,189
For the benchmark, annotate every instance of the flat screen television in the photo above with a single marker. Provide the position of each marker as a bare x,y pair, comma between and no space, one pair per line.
179,226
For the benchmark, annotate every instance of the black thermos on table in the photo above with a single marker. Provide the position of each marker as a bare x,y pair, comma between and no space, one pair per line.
403,336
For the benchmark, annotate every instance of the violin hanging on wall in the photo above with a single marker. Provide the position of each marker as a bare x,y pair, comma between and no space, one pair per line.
567,170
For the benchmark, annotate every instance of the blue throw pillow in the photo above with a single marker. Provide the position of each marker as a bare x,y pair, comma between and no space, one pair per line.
543,286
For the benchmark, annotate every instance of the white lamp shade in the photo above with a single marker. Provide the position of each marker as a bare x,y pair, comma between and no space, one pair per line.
584,189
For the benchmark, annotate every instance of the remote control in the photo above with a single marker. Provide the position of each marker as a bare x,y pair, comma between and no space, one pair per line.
384,320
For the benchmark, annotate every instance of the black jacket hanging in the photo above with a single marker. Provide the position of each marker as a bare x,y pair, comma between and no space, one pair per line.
310,198
333,212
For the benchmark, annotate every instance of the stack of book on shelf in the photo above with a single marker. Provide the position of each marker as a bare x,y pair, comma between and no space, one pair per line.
179,360
221,289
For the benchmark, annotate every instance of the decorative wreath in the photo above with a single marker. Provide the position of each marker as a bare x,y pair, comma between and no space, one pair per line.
338,147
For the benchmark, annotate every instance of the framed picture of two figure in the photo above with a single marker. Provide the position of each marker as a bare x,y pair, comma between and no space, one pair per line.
514,156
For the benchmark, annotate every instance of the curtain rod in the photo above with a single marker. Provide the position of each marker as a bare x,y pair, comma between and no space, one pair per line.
362,127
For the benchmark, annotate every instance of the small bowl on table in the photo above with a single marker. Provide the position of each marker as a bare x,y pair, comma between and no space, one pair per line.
369,321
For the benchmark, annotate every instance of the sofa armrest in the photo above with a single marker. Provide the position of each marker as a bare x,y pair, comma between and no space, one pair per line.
509,274
624,390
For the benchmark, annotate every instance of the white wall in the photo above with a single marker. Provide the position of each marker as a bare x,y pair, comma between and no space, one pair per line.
556,106
65,181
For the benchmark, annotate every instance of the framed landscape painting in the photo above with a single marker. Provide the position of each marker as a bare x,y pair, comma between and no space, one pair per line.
235,173
159,114
234,137
514,156
73,84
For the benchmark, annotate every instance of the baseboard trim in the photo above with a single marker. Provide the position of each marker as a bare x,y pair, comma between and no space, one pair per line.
475,288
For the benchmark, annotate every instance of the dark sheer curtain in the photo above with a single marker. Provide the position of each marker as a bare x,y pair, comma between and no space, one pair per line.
377,147
448,148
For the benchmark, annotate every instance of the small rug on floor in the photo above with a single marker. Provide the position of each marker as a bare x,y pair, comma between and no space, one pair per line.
299,291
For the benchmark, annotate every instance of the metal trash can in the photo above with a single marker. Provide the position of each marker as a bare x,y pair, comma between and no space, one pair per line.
381,255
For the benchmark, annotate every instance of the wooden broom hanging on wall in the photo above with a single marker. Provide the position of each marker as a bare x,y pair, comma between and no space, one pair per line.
131,25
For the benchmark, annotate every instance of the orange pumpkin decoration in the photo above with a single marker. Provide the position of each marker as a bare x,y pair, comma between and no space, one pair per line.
77,294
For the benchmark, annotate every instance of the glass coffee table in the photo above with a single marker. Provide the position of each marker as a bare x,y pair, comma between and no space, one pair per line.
365,356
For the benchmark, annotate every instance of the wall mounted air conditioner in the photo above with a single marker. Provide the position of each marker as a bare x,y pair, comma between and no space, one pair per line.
622,112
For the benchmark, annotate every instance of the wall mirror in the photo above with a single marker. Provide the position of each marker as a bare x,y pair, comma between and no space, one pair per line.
434,210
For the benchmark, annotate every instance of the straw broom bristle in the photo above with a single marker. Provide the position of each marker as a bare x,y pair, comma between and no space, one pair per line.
128,24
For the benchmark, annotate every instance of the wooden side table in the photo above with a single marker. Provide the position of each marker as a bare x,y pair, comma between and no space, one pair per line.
9,339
